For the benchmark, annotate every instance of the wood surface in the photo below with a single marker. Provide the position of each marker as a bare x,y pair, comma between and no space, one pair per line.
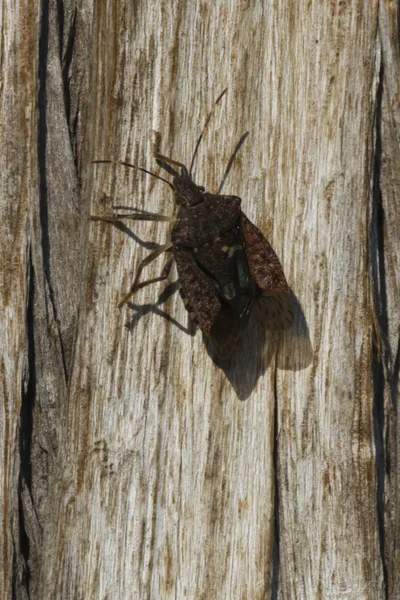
133,463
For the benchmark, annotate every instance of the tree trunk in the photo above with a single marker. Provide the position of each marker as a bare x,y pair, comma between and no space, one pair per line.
134,463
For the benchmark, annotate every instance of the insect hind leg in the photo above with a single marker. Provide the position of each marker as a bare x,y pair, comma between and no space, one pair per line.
146,261
164,275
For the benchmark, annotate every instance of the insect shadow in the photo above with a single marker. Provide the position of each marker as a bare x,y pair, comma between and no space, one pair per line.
289,350
142,310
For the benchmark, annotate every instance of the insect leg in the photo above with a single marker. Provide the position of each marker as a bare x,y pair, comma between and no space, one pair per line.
230,163
146,261
163,161
125,164
169,161
164,275
114,218
204,128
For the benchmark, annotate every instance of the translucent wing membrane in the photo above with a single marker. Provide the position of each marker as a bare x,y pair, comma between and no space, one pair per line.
275,310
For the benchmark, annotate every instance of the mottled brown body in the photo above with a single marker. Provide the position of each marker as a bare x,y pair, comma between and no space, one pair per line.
223,265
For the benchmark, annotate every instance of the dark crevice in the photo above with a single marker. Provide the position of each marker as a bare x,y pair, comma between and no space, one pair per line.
275,549
60,18
398,24
42,163
66,61
66,53
394,380
74,129
380,350
14,583
28,394
42,135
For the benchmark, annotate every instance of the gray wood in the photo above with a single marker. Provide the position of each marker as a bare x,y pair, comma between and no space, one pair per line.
133,465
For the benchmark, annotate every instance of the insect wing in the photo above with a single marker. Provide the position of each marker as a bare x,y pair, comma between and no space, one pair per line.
275,309
225,262
218,320
198,293
275,300
224,259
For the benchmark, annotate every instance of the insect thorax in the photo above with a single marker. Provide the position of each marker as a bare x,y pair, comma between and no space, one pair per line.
205,221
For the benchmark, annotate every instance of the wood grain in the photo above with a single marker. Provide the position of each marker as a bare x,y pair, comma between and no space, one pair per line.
133,463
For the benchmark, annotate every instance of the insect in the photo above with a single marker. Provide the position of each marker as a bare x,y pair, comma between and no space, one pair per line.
224,262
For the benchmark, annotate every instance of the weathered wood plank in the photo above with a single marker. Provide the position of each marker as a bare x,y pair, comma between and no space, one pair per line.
40,240
153,471
159,427
386,279
18,188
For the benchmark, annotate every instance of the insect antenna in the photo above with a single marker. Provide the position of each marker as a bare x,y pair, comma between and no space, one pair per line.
232,158
205,127
125,164
169,161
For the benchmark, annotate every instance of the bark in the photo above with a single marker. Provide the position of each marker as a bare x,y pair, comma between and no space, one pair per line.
133,463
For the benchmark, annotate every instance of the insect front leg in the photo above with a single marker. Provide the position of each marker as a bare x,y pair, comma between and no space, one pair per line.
134,216
146,261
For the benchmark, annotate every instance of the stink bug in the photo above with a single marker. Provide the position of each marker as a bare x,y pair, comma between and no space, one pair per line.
224,262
